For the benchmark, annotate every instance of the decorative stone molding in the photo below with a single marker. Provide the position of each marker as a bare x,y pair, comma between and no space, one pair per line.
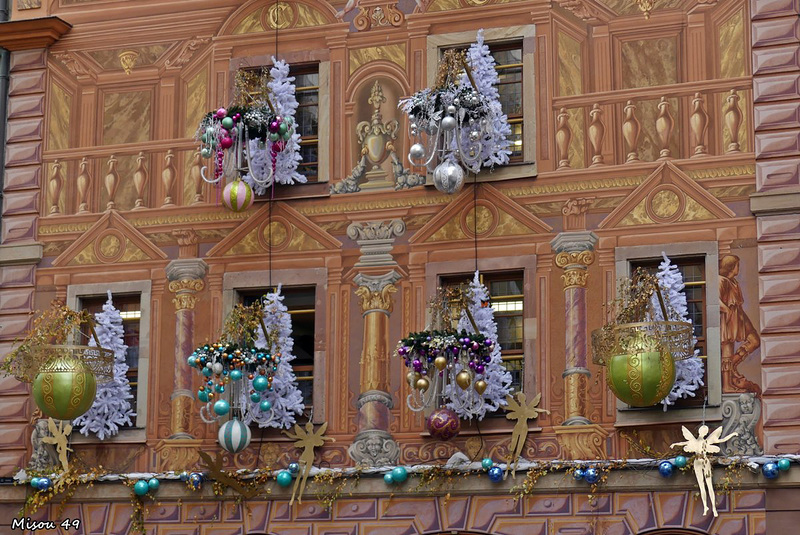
375,291
376,239
185,290
188,268
14,254
28,34
187,50
187,242
374,395
740,414
172,453
580,442
374,448
574,242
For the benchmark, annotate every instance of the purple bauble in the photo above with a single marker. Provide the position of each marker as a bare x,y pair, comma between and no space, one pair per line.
480,368
273,126
417,365
443,424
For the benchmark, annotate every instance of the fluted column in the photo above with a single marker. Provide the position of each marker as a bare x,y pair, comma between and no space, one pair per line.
575,252
374,445
186,279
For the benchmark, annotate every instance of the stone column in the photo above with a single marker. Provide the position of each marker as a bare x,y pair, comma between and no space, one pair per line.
186,279
374,445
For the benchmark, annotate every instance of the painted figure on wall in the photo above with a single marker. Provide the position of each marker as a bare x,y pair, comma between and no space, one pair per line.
735,326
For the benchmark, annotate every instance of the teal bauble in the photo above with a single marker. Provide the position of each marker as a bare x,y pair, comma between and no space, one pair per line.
284,478
236,375
260,383
192,361
680,461
255,397
202,395
153,484
35,482
141,487
265,405
227,123
222,407
234,436
784,465
274,136
204,138
399,474
207,372
487,463
388,478
205,152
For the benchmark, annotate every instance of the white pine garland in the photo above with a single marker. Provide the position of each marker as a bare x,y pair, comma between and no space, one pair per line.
285,397
111,408
688,372
282,89
497,378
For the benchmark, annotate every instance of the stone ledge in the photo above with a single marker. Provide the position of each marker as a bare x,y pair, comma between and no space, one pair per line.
774,203
29,253
32,33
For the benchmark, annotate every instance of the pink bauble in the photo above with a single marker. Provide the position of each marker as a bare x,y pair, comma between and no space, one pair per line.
443,424
221,113
226,142
238,196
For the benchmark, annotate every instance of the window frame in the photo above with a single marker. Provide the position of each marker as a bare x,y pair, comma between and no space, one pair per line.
76,292
496,36
624,257
235,282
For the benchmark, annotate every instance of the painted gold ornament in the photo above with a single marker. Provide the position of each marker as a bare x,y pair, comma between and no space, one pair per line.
64,388
463,380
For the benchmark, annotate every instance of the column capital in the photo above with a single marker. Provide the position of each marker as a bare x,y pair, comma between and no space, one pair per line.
186,268
376,291
574,242
376,239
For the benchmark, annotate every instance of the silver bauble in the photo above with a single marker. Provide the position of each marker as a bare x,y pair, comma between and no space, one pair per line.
456,101
449,124
217,368
474,136
411,117
417,151
451,110
413,126
475,101
448,177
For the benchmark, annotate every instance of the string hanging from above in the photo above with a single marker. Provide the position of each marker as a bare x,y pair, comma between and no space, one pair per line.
459,123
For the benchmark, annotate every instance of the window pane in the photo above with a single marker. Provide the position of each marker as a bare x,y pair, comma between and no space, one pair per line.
516,367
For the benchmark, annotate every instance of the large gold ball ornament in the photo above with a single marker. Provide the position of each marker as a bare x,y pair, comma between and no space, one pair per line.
644,374
64,388
480,387
423,384
412,378
440,363
463,379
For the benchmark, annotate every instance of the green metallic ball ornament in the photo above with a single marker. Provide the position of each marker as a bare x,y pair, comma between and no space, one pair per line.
282,129
265,405
260,383
255,397
284,478
487,463
205,152
644,374
236,375
221,407
141,487
388,478
680,461
274,136
153,484
399,474
227,123
784,465
64,388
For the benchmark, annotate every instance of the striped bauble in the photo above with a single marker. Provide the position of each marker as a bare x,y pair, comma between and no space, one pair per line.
238,196
234,436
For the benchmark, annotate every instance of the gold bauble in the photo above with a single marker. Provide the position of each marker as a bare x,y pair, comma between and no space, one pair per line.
423,384
480,387
440,363
463,379
412,378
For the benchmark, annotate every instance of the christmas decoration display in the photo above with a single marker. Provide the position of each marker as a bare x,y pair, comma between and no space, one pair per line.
770,471
496,474
141,487
59,438
254,139
688,372
237,196
665,468
459,123
443,424
521,411
280,405
112,407
397,475
64,377
284,478
307,440
492,380
701,446
234,436
638,353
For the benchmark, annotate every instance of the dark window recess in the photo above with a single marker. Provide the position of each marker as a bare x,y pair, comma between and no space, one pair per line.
507,299
300,302
129,306
693,270
508,59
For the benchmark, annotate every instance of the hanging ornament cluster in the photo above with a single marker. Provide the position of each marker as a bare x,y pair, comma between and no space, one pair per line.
640,353
253,143
459,124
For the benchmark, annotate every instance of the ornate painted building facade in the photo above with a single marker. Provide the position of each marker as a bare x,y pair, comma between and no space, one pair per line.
633,136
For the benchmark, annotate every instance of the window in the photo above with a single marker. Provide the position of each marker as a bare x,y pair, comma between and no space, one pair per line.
129,307
506,298
300,303
693,270
508,58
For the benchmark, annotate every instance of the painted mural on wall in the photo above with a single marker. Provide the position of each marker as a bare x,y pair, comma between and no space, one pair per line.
738,337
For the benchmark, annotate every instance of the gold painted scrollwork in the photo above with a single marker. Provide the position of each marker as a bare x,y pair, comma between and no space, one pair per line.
381,299
584,258
575,278
184,290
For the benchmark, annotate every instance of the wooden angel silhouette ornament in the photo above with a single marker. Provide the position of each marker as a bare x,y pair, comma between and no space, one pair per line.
59,439
702,446
521,412
306,440
217,473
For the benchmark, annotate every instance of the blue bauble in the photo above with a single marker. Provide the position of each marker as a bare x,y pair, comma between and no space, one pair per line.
255,397
260,383
236,375
191,361
784,465
196,480
665,468
591,476
141,487
284,478
496,474
487,463
388,479
294,468
265,405
221,407
35,482
153,484
680,461
399,474
578,474
45,483
220,388
202,395
184,476
770,470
